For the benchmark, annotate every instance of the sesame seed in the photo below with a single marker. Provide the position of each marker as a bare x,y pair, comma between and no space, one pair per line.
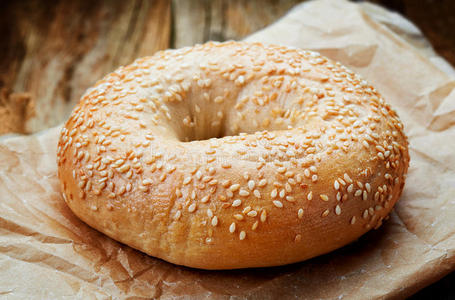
121,190
163,177
336,185
338,210
244,193
263,215
236,203
234,187
257,194
281,170
290,199
300,213
307,173
262,183
252,213
298,238
251,185
214,221
324,197
282,193
118,162
274,193
192,207
238,217
364,196
371,211
338,197
358,193
187,180
288,187
242,235
123,168
226,183
376,196
255,225
178,214
365,214
325,213
353,220
310,196
246,209
368,187
232,228
178,192
278,203
347,178
209,213
207,178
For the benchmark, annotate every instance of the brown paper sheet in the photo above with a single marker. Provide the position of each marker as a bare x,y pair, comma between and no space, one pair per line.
47,253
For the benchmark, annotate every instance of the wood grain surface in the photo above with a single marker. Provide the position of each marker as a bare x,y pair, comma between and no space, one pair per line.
52,51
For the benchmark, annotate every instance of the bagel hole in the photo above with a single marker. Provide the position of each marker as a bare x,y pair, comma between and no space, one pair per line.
202,135
202,129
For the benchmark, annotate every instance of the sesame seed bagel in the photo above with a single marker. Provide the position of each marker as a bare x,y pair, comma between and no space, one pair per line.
233,155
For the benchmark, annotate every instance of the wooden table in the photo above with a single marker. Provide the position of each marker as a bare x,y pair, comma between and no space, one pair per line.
52,51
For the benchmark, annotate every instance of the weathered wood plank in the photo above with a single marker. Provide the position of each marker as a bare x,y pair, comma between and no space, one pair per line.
190,21
219,20
58,50
246,17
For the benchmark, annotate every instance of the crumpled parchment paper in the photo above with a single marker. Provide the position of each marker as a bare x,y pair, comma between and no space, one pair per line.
47,253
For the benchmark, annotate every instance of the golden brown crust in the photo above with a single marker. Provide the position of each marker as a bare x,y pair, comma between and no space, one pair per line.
308,156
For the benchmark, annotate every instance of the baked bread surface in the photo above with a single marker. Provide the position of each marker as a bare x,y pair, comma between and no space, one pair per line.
233,155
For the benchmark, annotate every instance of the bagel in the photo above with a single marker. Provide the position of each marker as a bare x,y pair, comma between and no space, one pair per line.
233,155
